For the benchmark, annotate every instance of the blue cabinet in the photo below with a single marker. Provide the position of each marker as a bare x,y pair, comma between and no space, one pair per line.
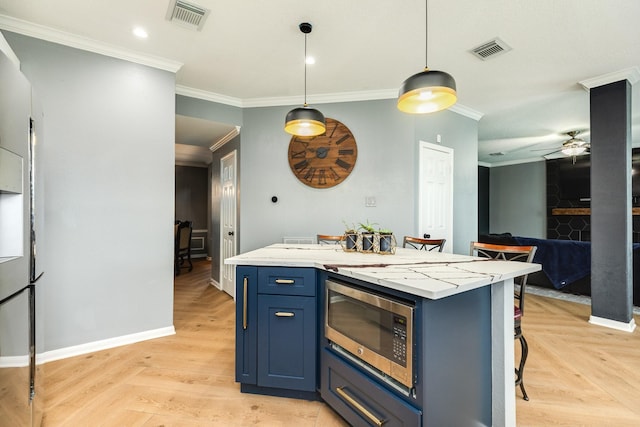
246,324
276,340
359,399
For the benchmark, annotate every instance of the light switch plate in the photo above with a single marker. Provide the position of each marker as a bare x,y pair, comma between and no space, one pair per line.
370,201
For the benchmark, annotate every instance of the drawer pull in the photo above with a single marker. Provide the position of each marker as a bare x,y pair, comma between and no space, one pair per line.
244,304
284,314
285,281
364,411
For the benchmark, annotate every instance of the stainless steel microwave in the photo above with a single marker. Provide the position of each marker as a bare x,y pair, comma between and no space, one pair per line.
373,328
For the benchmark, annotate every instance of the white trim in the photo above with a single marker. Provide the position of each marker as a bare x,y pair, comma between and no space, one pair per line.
14,361
327,98
26,28
485,164
215,283
632,74
9,53
208,96
228,137
613,324
77,350
513,162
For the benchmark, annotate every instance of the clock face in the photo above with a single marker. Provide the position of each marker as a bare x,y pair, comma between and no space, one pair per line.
325,160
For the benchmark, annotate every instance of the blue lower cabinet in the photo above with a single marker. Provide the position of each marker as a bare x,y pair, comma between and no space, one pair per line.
360,400
286,342
246,324
276,324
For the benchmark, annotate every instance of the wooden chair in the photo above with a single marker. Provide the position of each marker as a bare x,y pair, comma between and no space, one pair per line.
182,247
327,239
423,244
512,253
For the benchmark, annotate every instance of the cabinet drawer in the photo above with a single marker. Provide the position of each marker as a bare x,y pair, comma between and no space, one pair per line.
361,401
287,281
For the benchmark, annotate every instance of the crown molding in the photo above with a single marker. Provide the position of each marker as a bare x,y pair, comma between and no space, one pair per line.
67,39
228,137
208,96
632,74
313,99
512,162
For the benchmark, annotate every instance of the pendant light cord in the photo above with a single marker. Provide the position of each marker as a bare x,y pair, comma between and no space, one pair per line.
305,69
426,34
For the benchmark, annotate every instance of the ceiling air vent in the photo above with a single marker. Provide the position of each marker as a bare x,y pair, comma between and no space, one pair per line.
187,14
490,49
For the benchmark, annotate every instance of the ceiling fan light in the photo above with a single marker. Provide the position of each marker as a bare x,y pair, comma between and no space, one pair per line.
573,150
427,92
305,121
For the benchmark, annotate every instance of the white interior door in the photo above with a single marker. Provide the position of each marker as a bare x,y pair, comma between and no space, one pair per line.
435,189
228,230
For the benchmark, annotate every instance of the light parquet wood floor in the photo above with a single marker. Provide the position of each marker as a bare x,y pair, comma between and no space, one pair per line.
577,374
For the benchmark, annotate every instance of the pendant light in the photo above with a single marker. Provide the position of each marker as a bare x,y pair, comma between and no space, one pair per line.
428,91
305,121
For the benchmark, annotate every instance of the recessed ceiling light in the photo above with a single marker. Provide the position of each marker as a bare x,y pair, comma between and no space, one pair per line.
140,32
310,60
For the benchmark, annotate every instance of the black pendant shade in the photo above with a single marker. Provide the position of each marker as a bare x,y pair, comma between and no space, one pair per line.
427,92
305,121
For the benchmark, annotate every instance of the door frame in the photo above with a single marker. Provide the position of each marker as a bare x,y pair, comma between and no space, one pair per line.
423,149
232,154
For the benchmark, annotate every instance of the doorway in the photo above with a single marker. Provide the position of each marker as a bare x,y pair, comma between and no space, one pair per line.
435,193
228,230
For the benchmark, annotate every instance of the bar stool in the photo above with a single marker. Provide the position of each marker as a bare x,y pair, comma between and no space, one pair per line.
512,253
424,244
329,239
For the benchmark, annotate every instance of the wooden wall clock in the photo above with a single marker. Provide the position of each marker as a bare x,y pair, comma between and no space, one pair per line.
324,161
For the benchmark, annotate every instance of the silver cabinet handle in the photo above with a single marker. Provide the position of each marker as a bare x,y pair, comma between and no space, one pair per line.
244,304
284,314
285,281
356,405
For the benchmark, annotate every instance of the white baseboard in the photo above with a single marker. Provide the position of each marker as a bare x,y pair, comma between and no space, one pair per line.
77,350
613,324
215,284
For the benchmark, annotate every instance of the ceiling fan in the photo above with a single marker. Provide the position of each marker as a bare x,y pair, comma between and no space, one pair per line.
574,146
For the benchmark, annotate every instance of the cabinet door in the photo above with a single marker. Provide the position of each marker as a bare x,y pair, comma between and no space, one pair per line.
287,342
246,324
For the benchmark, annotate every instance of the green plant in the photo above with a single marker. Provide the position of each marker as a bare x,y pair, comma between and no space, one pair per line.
349,228
385,231
368,227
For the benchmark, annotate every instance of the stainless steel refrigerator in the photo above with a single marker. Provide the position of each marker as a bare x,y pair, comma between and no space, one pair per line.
21,230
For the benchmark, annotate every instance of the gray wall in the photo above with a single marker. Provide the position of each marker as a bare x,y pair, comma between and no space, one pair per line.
388,143
109,184
518,200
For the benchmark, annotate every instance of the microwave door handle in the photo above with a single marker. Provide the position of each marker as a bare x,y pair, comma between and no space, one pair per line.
359,407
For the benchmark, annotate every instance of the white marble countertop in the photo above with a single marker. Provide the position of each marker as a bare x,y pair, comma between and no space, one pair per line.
430,275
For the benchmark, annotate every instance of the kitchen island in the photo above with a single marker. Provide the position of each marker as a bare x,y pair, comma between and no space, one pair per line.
462,342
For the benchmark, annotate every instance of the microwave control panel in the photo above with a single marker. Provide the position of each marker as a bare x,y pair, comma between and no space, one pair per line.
400,340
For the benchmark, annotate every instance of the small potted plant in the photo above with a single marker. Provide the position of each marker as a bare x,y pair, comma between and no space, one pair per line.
350,237
368,234
387,241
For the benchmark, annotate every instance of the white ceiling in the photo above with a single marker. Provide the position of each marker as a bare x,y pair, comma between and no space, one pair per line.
250,52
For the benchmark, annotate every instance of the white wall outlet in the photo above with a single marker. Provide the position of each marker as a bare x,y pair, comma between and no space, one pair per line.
370,201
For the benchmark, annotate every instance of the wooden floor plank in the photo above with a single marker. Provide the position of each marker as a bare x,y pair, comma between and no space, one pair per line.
577,374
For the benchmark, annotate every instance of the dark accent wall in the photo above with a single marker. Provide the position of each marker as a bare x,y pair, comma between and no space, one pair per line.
574,227
564,227
483,200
